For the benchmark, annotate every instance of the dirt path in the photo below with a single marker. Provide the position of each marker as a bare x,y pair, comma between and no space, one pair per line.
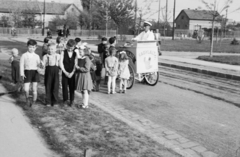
18,138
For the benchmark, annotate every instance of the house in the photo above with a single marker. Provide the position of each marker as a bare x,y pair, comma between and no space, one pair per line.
52,9
194,19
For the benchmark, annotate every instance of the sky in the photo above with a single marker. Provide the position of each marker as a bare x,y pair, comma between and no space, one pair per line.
180,4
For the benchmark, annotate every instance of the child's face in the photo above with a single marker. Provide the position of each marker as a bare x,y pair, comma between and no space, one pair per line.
81,52
15,53
69,48
32,48
79,43
61,40
52,49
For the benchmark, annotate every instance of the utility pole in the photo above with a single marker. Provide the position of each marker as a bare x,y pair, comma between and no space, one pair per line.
225,23
44,12
106,19
135,22
174,9
159,10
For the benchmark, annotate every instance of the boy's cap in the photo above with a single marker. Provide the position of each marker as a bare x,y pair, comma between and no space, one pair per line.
146,23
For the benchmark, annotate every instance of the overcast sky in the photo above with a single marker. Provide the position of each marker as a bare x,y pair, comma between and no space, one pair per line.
180,4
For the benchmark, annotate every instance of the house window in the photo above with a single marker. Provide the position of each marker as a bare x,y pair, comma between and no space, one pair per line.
178,26
182,17
186,26
72,9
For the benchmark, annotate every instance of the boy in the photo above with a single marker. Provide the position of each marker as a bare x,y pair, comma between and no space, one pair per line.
14,60
29,64
51,77
67,64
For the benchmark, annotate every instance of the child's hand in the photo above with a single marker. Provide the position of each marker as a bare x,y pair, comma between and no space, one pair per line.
23,77
70,75
66,73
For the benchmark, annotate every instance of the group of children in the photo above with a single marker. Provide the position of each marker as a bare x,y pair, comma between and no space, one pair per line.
70,66
114,66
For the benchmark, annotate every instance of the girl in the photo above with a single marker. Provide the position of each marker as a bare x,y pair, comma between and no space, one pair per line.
83,77
51,63
123,71
111,65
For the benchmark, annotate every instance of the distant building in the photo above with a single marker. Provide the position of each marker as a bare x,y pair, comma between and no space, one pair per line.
194,19
51,9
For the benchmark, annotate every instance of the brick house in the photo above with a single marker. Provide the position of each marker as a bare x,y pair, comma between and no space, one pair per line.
52,9
191,20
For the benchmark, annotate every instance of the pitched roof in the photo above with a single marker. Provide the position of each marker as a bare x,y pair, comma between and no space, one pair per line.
199,14
37,7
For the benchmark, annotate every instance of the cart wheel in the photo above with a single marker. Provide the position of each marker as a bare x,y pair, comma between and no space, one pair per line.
152,78
131,80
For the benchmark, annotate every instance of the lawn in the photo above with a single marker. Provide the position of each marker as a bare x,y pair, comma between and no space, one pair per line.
70,131
232,60
187,45
194,46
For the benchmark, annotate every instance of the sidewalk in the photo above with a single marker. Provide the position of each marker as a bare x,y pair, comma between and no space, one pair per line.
17,137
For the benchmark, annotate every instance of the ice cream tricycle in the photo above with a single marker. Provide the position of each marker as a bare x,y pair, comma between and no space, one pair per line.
143,62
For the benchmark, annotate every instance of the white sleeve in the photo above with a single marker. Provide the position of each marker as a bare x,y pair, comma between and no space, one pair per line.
22,59
138,37
151,36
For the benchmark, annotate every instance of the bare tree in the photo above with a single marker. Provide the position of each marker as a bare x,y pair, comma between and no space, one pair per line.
215,10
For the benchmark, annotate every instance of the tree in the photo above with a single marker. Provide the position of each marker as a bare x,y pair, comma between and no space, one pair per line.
215,11
144,11
15,10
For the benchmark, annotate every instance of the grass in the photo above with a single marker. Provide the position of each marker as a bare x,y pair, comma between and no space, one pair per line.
71,131
232,60
194,46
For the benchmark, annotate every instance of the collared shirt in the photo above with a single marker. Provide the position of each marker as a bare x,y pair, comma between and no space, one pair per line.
145,36
29,61
51,60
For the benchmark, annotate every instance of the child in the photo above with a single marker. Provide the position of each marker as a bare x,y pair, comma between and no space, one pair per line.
51,78
123,71
14,60
98,74
111,65
60,44
84,80
60,48
29,64
67,64
45,46
78,42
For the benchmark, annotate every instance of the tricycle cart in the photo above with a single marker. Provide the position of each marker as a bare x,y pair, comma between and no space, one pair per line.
143,62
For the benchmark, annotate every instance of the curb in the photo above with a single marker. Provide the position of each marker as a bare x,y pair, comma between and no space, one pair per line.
202,71
160,134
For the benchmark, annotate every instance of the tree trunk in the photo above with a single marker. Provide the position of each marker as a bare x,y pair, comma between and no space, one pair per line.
212,36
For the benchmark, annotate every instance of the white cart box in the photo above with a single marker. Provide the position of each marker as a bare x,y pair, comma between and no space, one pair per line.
146,56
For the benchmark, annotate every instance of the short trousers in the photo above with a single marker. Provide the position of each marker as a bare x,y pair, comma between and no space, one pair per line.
31,76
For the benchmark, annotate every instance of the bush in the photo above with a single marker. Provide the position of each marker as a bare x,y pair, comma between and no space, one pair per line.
235,42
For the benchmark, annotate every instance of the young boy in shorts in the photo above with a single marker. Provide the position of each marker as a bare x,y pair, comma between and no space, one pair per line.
29,64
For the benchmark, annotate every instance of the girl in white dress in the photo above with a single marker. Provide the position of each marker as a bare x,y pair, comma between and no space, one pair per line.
123,71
